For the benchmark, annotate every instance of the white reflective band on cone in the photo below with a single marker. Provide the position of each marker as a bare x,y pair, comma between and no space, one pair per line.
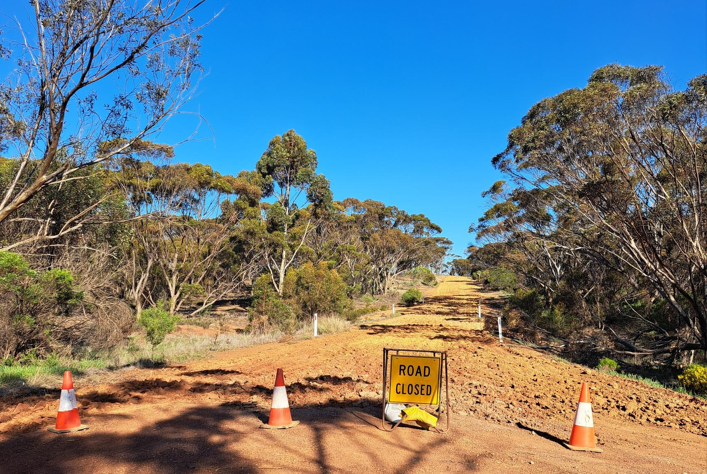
584,415
279,398
67,400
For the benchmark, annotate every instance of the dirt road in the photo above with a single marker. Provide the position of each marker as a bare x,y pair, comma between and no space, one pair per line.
511,409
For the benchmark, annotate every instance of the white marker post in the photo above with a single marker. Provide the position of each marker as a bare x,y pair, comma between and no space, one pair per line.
393,309
315,324
479,308
500,331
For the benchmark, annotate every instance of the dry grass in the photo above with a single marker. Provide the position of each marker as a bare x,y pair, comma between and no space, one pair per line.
186,347
325,325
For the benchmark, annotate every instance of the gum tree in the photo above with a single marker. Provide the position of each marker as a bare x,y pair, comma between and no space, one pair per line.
609,180
90,72
287,172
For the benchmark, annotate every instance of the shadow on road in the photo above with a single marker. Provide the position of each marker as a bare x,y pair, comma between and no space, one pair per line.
542,434
225,438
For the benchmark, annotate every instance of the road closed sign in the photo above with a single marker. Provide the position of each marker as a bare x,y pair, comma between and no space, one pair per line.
414,380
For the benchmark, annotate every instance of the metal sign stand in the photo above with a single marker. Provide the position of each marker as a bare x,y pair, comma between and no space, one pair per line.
387,353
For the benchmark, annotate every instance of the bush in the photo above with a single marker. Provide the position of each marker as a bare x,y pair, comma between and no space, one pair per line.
411,296
529,301
268,309
316,289
35,308
607,365
157,323
501,279
694,378
306,290
556,320
424,275
368,299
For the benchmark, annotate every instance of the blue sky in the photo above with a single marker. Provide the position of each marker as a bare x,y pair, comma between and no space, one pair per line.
407,102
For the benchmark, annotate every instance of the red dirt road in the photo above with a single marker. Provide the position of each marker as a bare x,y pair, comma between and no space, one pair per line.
511,409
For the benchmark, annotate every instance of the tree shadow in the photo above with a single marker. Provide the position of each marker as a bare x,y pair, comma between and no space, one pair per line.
197,373
434,332
195,439
139,391
224,437
331,379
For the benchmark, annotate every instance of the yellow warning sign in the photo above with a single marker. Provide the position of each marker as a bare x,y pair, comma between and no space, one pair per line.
414,380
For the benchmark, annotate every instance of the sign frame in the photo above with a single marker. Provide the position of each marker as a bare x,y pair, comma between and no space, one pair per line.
443,376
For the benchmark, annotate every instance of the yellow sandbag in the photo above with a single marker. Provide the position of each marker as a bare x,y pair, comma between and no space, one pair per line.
420,416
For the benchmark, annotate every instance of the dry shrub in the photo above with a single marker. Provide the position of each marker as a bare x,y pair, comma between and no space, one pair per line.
107,319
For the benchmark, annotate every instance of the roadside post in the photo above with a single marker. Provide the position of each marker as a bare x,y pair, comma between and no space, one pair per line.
393,309
500,331
479,307
315,324
415,376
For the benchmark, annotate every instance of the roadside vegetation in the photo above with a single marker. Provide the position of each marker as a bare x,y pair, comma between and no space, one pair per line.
597,234
108,243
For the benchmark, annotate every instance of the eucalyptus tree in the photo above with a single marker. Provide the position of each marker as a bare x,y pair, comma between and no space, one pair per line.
90,72
389,242
180,237
288,174
614,173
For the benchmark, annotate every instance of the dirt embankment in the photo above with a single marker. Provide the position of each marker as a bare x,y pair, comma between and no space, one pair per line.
511,407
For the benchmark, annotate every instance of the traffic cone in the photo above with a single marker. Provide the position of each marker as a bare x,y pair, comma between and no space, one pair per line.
582,437
280,416
67,418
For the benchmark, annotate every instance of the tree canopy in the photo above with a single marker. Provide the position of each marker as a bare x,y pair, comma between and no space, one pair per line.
605,202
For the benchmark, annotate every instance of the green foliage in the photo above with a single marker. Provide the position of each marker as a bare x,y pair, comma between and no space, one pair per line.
501,279
528,301
14,271
607,365
424,275
694,378
32,370
316,289
411,297
192,290
280,314
60,283
157,323
268,309
306,290
567,189
556,320
33,306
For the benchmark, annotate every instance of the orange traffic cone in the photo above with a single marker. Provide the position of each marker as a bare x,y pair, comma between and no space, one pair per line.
582,437
280,416
67,418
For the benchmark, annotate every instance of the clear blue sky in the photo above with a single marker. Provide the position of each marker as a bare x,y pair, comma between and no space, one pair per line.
407,102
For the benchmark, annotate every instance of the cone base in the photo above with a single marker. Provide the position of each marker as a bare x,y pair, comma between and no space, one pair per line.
579,448
281,427
78,428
